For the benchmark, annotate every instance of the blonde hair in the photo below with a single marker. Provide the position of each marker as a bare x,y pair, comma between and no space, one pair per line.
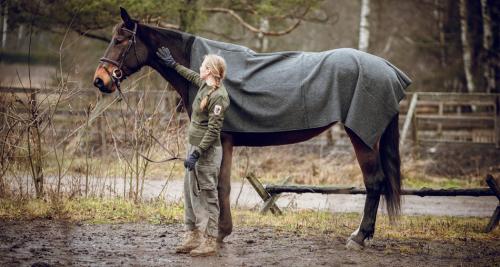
217,67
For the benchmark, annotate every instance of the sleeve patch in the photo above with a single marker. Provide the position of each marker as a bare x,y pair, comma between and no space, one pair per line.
217,109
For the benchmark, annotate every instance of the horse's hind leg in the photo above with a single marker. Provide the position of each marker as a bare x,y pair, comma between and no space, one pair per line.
373,176
224,189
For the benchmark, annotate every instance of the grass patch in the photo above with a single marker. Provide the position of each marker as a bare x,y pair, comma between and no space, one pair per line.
308,222
343,224
92,210
435,182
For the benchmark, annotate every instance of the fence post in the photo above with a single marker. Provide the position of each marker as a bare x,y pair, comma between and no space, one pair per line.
497,121
440,125
414,129
409,117
262,193
496,214
270,201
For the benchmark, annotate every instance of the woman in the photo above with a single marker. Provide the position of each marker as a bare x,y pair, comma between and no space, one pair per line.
201,204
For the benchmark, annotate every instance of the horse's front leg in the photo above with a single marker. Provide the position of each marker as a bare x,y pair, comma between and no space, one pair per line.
224,188
373,176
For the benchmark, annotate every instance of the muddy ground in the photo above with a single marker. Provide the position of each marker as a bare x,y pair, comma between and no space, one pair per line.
59,243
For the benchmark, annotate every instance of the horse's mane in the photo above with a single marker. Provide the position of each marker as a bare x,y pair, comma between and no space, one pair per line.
165,32
185,40
169,33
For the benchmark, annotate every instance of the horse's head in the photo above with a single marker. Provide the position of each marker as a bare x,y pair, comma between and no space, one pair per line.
125,55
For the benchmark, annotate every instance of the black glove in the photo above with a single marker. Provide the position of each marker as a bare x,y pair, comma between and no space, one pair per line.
164,54
191,160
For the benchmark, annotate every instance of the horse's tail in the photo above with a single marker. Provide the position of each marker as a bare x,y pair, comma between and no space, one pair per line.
391,165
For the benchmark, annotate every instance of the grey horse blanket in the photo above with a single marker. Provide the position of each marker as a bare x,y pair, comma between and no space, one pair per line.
286,91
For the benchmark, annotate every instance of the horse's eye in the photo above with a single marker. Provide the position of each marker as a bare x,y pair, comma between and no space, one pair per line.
118,40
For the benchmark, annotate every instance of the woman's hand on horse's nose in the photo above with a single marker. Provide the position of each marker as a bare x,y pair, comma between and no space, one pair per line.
166,57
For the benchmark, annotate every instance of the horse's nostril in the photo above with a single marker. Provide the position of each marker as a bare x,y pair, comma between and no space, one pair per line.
98,83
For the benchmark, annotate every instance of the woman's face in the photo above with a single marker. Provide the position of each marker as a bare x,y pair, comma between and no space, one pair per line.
204,72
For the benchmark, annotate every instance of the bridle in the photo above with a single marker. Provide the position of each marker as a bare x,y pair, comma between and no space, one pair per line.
118,75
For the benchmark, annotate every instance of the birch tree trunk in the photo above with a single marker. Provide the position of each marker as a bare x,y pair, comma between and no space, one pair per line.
263,41
364,26
20,34
466,48
4,27
438,15
489,69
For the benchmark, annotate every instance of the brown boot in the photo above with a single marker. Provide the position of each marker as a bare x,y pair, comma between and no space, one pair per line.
207,248
192,240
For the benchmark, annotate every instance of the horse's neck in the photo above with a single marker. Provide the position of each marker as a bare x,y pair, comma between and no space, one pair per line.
180,46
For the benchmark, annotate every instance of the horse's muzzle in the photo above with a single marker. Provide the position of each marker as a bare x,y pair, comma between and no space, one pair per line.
99,83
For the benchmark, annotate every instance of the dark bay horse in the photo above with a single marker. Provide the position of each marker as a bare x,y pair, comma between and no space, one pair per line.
134,45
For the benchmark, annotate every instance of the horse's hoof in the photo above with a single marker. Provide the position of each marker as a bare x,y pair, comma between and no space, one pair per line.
353,245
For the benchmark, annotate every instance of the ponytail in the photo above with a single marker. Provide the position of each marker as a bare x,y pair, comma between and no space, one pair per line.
204,101
217,67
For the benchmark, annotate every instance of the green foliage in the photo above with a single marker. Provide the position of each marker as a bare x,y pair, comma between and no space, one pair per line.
83,16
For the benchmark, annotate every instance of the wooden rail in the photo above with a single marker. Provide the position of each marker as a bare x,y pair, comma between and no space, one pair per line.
270,193
73,107
452,117
424,192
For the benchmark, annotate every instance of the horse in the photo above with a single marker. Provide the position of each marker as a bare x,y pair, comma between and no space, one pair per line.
133,46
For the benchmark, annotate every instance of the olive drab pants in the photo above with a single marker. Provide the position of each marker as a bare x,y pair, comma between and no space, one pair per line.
201,203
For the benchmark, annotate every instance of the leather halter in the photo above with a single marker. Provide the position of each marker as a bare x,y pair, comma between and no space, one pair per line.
117,75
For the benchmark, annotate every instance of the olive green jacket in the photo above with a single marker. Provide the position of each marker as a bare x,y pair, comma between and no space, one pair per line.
205,127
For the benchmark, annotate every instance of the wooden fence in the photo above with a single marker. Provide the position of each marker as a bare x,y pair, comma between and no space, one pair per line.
451,117
79,98
425,116
271,193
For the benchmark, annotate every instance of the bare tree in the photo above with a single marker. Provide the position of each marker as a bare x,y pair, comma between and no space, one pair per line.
439,16
489,68
364,26
4,27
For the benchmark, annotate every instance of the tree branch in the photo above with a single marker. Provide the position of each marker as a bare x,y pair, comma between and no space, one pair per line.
252,28
158,21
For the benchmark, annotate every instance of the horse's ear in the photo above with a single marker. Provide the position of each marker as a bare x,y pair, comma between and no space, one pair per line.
129,22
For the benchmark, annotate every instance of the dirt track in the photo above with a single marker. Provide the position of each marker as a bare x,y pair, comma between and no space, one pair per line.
57,243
